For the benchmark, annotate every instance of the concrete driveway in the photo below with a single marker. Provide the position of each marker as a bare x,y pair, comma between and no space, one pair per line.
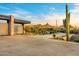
37,45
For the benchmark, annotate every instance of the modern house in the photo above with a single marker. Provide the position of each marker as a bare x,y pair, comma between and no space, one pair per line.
10,23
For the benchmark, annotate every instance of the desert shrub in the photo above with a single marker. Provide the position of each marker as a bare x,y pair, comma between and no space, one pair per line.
40,29
74,38
54,35
77,39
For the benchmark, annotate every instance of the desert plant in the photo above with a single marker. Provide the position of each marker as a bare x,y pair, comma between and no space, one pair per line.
67,22
77,39
64,23
54,35
74,38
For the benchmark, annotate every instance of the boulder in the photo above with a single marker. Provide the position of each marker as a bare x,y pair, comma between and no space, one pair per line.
74,37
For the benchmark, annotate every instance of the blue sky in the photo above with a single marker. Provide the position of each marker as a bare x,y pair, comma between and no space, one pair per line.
37,12
34,8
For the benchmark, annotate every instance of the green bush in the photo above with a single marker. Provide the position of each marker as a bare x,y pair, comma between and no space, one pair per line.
77,39
74,38
54,35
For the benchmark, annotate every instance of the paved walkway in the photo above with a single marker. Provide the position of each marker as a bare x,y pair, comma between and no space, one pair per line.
38,45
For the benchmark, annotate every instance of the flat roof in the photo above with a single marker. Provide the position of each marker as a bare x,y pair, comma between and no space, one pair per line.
19,21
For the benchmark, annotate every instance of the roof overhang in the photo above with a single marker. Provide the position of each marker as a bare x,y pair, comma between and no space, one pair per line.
19,21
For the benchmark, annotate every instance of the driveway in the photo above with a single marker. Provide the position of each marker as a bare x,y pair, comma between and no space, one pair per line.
36,45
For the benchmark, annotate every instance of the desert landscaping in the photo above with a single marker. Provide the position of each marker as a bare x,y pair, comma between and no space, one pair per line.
51,34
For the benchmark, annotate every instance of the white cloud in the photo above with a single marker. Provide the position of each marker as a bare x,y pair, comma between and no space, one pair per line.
17,12
42,19
21,11
75,10
52,8
51,19
77,4
75,15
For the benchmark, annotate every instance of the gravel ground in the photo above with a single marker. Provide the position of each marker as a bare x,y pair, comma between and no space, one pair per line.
37,45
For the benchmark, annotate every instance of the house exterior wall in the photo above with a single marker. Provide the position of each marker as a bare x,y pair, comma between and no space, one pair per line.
4,29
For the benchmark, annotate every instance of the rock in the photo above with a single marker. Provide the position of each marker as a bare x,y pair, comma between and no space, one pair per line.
74,37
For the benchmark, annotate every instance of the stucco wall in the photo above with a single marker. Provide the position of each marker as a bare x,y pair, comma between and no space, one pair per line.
4,29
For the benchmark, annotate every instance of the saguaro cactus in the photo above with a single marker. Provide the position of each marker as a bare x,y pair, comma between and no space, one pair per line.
64,23
67,22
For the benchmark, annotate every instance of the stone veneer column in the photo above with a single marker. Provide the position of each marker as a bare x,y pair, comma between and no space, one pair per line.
8,27
23,29
11,25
